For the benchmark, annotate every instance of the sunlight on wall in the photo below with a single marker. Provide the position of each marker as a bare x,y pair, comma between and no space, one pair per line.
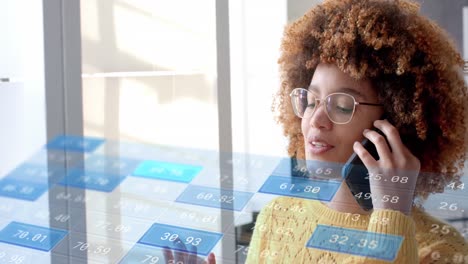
175,39
255,40
89,28
173,45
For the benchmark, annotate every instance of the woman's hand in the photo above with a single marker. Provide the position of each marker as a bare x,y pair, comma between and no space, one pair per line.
180,257
393,177
185,258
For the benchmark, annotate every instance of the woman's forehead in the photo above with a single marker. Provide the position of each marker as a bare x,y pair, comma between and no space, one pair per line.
328,78
348,90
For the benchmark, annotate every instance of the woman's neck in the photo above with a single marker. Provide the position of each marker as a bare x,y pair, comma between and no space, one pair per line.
344,201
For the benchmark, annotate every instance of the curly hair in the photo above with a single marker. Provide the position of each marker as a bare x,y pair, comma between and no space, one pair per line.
410,61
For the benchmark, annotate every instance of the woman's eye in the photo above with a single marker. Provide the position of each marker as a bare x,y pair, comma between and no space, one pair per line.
344,110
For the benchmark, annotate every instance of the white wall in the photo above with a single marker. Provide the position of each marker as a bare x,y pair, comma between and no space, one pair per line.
9,55
22,106
255,37
297,8
150,71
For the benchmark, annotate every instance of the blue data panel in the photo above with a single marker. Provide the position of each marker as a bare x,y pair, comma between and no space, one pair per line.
23,190
75,143
31,236
57,158
92,180
311,169
37,173
181,239
215,197
300,187
111,165
356,242
167,171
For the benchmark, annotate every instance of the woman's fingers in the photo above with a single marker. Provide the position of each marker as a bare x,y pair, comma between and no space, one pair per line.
364,155
180,256
380,144
168,256
393,136
401,155
193,258
211,258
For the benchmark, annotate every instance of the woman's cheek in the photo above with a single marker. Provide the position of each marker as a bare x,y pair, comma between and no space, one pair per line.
304,127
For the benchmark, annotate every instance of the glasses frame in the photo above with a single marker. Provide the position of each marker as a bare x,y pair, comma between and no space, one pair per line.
318,102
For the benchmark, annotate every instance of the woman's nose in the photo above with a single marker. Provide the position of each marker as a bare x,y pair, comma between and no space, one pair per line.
319,118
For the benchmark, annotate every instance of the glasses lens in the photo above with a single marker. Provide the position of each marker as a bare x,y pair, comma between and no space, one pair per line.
340,108
302,101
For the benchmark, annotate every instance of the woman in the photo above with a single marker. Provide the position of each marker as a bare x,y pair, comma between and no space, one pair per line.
386,59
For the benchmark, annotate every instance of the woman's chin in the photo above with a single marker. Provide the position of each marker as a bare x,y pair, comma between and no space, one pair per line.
326,157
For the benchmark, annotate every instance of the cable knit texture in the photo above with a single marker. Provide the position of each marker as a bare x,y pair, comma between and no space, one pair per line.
285,225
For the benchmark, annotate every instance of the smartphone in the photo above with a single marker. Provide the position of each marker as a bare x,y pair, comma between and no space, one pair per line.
355,174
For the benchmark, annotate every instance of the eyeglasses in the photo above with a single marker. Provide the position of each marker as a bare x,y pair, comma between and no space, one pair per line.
340,107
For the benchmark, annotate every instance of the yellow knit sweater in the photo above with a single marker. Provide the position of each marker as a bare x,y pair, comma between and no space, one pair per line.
285,225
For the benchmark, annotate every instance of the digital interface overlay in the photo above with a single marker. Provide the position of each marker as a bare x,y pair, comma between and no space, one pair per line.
90,200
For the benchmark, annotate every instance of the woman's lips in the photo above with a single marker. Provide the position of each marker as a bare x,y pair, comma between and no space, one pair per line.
317,147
